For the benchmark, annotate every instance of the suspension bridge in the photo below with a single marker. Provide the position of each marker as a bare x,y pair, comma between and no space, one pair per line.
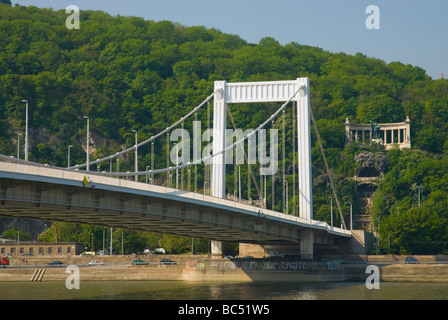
269,202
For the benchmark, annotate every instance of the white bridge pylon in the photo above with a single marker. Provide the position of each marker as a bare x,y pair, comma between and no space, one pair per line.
272,91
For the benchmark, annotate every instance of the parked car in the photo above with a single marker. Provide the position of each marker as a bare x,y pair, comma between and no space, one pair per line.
139,262
54,264
411,260
96,263
4,261
88,253
167,262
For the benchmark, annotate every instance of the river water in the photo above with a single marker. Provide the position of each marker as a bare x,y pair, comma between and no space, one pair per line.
180,290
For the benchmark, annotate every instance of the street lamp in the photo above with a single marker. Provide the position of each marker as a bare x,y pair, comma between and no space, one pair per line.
331,210
68,156
351,216
18,145
136,154
26,131
87,156
419,188
18,239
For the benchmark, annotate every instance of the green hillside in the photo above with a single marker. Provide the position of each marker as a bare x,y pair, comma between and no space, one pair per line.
127,73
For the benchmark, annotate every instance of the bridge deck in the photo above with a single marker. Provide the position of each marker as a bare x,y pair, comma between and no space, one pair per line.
56,194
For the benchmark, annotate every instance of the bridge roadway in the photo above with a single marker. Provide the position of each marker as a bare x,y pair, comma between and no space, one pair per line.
33,191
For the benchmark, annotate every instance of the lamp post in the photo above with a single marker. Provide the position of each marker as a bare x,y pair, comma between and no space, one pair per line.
351,216
136,154
111,241
18,241
68,156
87,156
419,188
331,210
26,131
18,145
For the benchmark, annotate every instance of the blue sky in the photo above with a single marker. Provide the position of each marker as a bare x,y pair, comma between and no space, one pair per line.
412,32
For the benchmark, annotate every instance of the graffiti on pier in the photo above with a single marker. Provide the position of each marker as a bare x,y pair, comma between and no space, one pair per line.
266,265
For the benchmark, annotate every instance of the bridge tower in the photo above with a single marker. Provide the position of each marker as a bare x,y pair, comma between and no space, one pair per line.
274,91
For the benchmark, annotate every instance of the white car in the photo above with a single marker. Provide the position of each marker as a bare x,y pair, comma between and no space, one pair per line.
96,263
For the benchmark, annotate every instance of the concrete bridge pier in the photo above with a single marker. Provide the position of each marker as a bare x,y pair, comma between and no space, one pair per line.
305,249
307,245
216,247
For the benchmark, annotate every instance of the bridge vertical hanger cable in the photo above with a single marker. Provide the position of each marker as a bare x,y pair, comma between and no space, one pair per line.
284,200
196,166
249,175
234,174
261,197
245,159
327,168
168,173
152,162
273,179
293,158
182,169
207,167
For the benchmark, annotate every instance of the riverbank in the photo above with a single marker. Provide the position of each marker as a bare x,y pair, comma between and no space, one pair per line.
432,269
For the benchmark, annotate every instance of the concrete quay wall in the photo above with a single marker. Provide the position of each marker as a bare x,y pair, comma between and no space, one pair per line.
95,273
209,269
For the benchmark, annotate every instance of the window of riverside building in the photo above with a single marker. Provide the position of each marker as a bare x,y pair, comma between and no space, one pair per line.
50,250
41,250
69,250
59,250
31,250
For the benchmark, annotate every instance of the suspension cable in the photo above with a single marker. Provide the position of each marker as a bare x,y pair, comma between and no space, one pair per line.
208,157
156,171
330,176
78,166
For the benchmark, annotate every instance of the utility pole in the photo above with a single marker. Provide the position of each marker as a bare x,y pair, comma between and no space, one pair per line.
111,242
68,156
136,154
26,131
331,210
18,145
419,187
87,156
351,216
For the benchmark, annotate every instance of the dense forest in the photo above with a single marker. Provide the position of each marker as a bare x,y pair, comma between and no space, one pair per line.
127,73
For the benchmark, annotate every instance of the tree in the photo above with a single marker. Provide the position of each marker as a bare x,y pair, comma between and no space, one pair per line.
380,108
16,234
175,244
420,230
